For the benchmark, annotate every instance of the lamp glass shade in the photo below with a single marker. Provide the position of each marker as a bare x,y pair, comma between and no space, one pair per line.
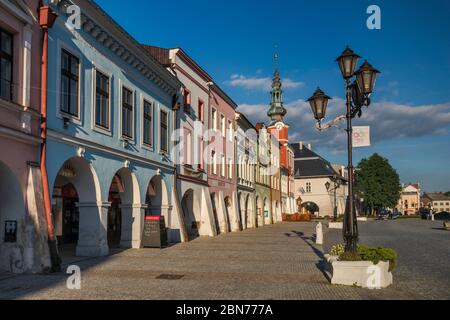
319,103
328,186
366,78
347,63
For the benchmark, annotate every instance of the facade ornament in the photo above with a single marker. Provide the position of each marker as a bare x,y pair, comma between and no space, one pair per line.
81,152
126,164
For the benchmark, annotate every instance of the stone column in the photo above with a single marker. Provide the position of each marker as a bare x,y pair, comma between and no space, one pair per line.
93,231
132,225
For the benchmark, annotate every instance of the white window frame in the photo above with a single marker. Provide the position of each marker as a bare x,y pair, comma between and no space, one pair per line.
214,119
60,114
94,126
145,98
223,125
169,124
122,85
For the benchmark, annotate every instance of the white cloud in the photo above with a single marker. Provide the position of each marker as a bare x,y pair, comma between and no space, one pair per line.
388,121
260,83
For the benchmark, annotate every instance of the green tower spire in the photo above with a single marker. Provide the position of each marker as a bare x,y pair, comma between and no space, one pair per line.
276,110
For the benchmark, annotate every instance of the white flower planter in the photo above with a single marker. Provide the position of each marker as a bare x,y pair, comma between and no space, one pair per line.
362,274
336,225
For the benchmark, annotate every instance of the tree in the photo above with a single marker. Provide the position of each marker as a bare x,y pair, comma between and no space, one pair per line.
447,194
378,183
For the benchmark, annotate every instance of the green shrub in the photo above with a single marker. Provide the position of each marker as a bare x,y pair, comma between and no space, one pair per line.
350,256
366,253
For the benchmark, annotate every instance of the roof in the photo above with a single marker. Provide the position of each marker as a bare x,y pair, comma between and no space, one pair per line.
224,96
244,118
437,196
309,164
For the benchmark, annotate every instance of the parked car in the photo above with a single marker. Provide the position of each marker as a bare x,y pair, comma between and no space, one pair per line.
384,215
394,215
425,214
442,216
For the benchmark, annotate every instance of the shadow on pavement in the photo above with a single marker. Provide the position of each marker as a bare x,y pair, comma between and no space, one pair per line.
322,265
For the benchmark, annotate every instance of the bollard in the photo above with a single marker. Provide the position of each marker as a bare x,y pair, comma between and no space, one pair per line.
319,234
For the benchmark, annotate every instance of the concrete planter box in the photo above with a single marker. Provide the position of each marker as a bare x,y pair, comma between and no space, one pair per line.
362,219
362,274
336,225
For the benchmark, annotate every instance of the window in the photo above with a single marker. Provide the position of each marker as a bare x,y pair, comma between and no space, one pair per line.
200,147
127,113
214,162
201,111
223,166
69,83
148,123
230,169
164,139
6,58
230,130
101,100
187,155
222,124
187,101
214,119
308,187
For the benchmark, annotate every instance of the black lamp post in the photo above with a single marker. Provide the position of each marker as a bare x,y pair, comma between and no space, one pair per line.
359,87
334,190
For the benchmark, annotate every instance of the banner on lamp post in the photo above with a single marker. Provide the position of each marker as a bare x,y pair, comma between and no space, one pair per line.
361,137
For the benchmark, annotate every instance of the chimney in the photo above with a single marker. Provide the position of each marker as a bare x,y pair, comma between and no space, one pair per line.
309,146
301,145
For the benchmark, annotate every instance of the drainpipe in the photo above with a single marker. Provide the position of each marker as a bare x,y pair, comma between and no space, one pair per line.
46,20
183,229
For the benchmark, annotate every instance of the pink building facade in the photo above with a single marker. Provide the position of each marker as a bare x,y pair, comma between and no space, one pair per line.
23,229
222,175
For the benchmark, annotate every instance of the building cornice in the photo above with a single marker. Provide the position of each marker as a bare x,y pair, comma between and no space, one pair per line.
19,136
95,22
192,64
77,142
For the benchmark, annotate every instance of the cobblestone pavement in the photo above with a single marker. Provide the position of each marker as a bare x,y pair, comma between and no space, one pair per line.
423,247
277,262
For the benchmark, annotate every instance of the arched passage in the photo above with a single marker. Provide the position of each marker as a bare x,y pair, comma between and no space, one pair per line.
188,206
12,208
123,196
259,212
228,213
266,211
77,217
157,198
310,207
247,215
241,209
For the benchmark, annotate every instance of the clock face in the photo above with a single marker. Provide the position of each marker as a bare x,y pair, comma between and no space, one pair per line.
279,126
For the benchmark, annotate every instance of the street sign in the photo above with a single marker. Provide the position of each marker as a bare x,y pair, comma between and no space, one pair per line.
361,137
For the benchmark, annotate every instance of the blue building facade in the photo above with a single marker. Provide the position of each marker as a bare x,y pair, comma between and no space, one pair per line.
110,120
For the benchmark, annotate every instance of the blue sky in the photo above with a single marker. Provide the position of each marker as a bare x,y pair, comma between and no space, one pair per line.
234,41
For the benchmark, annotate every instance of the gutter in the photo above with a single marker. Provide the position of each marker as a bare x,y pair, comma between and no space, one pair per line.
46,20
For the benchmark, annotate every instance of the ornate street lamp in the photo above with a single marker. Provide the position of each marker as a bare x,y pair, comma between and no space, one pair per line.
347,63
366,77
319,103
359,87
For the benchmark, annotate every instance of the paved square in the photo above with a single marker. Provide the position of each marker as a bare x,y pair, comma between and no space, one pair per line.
275,262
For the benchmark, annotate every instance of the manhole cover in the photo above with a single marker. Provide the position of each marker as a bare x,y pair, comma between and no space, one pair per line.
170,276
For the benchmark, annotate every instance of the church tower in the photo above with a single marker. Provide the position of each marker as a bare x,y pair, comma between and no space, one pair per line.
277,112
